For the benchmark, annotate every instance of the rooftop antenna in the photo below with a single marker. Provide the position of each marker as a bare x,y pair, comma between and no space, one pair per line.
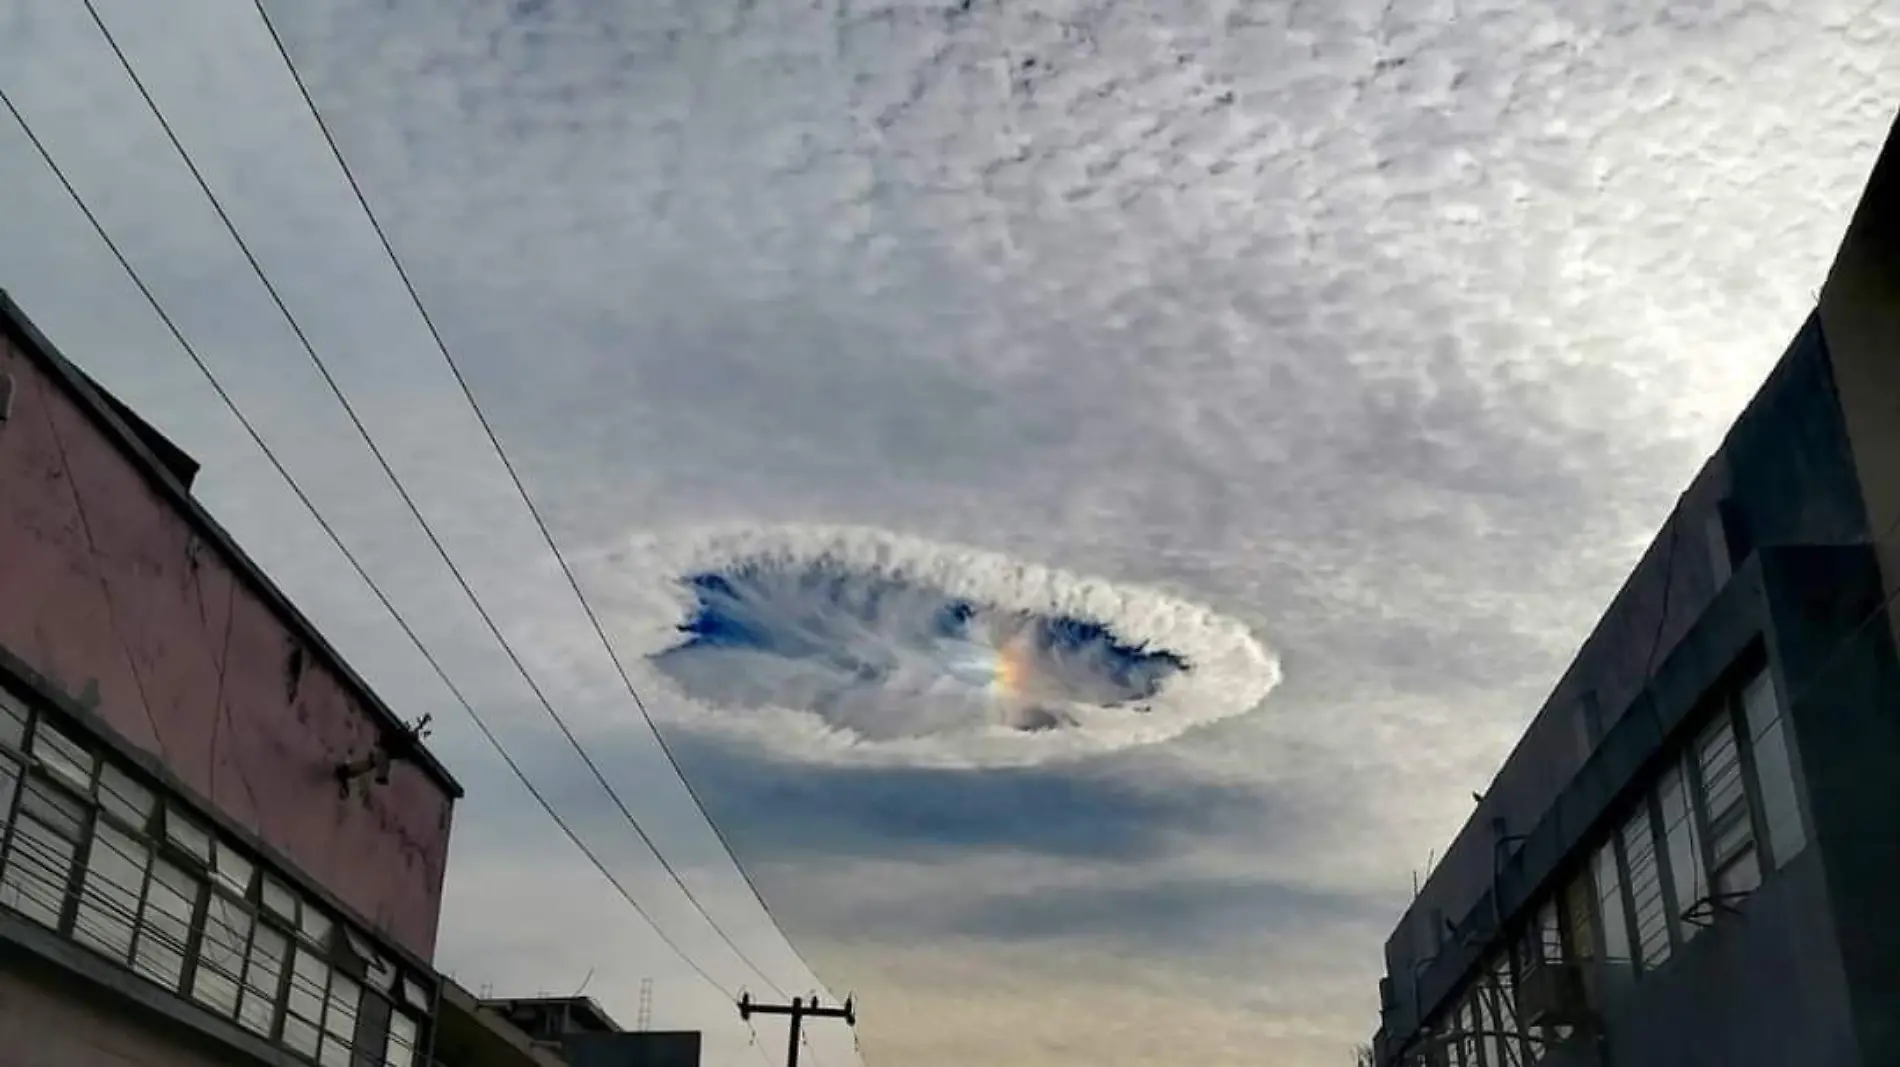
645,1020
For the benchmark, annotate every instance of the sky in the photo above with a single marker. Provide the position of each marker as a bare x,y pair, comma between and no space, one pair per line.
1087,489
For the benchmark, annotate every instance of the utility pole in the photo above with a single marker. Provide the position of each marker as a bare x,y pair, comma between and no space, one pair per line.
799,1011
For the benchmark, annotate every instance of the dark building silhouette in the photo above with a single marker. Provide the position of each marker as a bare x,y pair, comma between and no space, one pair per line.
585,1036
1692,856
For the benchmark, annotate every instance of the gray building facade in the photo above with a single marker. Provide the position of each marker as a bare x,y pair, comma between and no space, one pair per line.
1692,856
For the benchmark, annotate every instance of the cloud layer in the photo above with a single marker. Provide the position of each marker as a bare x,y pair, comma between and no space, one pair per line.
1379,332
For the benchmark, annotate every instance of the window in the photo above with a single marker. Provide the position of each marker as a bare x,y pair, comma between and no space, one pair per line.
263,974
1549,946
402,1042
93,853
1485,1038
1646,889
314,927
109,897
1609,886
124,799
63,757
233,871
372,1032
1733,868
1579,930
339,1021
12,721
1504,1047
184,833
1684,850
225,940
42,854
1774,770
171,898
9,778
1468,1025
279,900
303,1005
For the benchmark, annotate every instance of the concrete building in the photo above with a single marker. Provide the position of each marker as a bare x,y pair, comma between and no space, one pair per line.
217,846
1692,856
471,1033
585,1036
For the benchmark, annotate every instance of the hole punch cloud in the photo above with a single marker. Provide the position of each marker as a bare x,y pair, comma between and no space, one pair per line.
856,645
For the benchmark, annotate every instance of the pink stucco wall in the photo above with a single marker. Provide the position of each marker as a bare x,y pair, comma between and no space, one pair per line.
109,591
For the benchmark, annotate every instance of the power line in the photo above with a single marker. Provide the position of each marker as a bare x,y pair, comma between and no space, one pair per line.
408,500
520,487
177,335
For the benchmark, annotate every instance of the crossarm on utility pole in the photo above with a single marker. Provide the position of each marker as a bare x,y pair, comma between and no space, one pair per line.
799,1011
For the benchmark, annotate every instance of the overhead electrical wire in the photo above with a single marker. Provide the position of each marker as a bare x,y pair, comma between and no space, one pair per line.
514,476
415,510
382,598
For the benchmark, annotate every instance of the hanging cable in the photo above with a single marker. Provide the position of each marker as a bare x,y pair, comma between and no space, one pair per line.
409,502
350,557
514,476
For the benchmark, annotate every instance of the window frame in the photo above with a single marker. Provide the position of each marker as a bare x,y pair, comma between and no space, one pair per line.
369,968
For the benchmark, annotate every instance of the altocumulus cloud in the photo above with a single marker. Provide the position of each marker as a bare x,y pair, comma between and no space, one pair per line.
1366,337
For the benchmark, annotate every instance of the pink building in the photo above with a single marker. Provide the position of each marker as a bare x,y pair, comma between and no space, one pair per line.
189,874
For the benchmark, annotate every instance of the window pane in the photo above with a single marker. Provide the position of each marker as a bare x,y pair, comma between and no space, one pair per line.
1719,766
55,808
1609,886
1503,992
1741,875
1646,889
339,1022
12,720
1579,931
315,926
372,1032
1685,852
1759,704
165,924
263,971
303,1005
300,1035
1780,807
234,871
279,900
9,777
382,974
359,945
1730,834
345,995
124,798
227,935
1489,1024
62,756
1550,935
109,895
40,860
402,1042
185,832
